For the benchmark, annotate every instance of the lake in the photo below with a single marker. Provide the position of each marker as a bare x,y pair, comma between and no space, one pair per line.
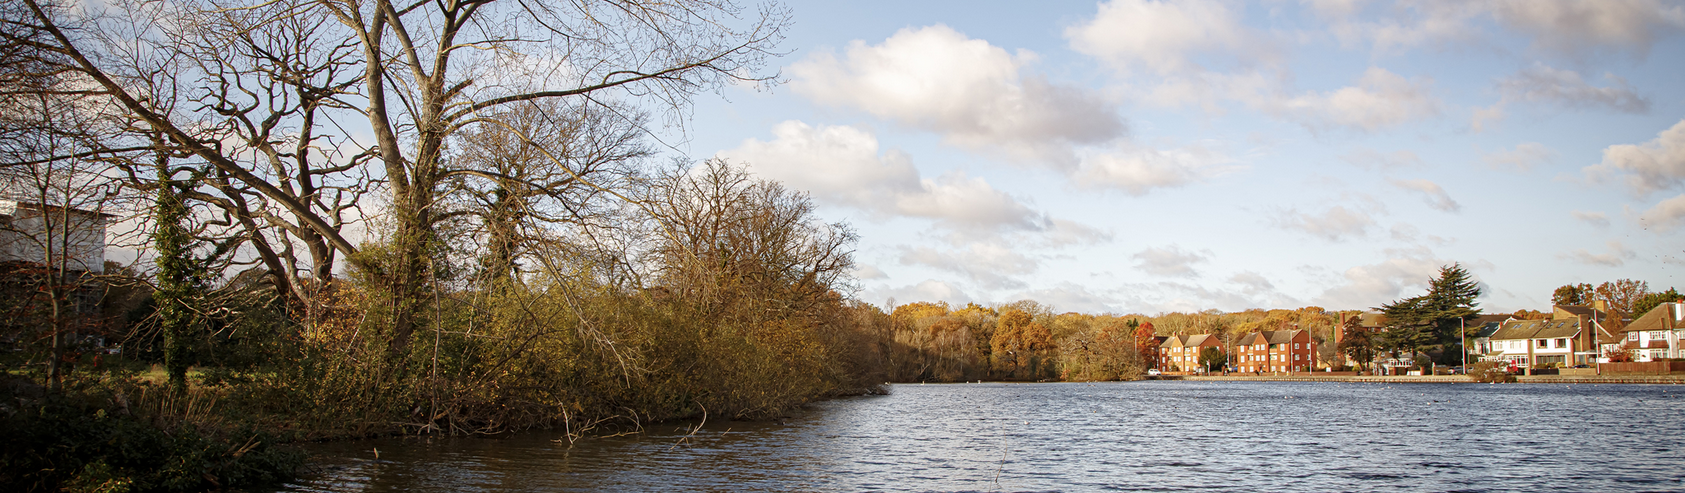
1132,436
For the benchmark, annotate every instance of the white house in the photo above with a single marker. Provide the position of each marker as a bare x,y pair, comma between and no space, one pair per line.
25,235
1536,343
1657,334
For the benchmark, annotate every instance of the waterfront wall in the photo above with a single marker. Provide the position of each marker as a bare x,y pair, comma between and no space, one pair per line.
1648,367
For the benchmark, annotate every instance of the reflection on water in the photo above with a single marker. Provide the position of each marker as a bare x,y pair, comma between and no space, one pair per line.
1153,436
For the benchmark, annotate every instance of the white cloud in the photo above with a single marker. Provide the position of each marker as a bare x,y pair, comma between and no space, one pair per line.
1380,99
991,266
1524,157
975,94
930,290
1137,170
1598,219
1067,297
1370,158
969,204
1404,232
1166,296
1371,285
1064,233
1650,167
1618,255
869,272
1543,84
1436,196
1406,25
839,163
1665,216
1577,29
1566,28
1253,282
1170,261
1165,37
844,165
1335,224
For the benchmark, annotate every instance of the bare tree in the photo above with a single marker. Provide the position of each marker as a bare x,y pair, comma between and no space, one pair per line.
419,74
53,192
537,179
745,248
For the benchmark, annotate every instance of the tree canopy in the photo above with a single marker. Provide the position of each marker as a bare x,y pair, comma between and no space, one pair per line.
1435,318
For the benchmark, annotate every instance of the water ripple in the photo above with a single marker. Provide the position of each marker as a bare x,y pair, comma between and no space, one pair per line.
1141,436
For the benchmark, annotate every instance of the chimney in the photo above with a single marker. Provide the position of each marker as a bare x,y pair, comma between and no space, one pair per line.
1339,330
1600,305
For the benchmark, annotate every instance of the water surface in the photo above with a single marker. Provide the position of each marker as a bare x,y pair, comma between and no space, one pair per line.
1138,436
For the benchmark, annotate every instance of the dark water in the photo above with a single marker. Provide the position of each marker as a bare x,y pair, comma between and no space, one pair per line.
1141,436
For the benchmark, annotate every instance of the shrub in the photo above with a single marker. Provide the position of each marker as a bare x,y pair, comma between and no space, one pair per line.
96,439
1489,372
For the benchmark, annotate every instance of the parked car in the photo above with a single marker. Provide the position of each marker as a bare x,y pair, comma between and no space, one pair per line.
1152,372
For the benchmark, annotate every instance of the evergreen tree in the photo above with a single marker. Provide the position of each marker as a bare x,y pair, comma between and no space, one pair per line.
1436,317
1652,300
1452,300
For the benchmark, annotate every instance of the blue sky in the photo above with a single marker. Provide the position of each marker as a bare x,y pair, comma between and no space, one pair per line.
1136,156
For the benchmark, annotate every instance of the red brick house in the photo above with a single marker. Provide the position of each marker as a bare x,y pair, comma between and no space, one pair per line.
1275,351
1181,353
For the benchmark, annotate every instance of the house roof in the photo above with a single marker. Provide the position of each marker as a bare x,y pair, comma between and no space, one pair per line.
1281,336
1269,337
1172,342
1536,329
1487,319
1488,328
1581,310
1204,340
1372,319
1665,316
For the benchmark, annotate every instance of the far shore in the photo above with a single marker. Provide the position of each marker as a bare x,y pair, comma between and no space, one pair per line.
1557,379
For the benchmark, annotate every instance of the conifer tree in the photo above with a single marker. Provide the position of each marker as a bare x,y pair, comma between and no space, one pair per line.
1436,317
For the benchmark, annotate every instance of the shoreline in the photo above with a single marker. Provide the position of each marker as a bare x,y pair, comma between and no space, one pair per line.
1556,379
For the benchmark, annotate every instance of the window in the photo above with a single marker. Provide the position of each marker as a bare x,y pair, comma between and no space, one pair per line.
1632,336
1656,335
1542,343
1562,343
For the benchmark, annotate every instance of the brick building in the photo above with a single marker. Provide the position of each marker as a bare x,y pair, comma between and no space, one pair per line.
1181,353
1275,351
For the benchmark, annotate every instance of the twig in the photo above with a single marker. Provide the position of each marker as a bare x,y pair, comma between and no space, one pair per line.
693,430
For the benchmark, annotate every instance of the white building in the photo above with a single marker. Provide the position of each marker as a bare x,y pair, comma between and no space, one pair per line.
25,235
1536,343
1657,334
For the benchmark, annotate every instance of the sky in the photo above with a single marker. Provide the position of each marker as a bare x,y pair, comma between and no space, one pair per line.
1144,157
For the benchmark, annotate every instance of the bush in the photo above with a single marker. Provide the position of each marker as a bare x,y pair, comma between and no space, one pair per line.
1489,372
96,439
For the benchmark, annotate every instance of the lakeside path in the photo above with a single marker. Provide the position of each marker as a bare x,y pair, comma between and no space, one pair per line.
1556,379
